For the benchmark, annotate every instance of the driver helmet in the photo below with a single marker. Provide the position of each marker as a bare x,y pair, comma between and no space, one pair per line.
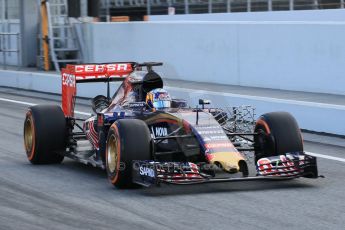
158,99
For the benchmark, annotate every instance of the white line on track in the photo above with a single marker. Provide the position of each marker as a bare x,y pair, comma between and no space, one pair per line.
326,156
32,104
88,114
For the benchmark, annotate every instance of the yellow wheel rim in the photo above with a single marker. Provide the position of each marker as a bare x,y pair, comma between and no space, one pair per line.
112,153
28,135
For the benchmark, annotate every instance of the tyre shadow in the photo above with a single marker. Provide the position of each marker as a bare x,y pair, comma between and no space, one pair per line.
228,187
80,168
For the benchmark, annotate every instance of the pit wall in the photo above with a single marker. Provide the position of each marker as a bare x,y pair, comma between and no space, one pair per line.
298,56
318,117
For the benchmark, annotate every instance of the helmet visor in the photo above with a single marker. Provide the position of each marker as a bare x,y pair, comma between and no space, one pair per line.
161,104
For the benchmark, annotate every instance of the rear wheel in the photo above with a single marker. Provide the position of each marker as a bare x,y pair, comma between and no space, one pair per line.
128,140
278,133
44,134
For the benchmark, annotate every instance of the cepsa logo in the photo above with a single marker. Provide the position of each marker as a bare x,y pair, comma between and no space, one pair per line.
101,68
68,80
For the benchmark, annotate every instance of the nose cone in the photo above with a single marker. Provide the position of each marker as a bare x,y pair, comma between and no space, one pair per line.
228,160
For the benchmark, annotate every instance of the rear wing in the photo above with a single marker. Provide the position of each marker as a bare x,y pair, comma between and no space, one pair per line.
73,74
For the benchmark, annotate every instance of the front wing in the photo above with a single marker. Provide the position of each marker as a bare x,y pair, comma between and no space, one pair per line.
287,166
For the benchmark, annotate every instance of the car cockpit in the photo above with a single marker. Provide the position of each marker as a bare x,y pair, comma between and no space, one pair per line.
133,89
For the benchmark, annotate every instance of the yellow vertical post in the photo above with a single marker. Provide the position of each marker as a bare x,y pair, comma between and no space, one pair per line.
45,43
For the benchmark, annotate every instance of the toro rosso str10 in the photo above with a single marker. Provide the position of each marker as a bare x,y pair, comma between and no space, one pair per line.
143,136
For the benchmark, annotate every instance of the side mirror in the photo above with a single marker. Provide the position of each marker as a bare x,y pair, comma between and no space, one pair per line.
204,102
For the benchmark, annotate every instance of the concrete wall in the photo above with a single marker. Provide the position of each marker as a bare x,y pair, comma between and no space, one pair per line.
298,15
300,56
308,114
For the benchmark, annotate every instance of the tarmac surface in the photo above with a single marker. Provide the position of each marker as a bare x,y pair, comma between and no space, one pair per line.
75,196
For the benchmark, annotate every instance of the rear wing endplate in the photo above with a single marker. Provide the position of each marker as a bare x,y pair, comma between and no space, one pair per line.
73,74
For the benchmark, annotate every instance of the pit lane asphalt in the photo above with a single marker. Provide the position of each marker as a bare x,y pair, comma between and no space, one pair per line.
76,196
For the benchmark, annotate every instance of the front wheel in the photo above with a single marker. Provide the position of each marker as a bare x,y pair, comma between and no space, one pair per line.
128,140
277,133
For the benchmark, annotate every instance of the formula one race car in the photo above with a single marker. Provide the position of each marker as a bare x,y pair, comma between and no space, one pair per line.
142,136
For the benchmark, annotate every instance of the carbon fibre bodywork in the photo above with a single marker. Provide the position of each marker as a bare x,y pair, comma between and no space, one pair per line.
189,145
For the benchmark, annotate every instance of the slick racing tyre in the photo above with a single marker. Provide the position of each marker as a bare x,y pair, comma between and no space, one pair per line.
128,140
278,133
44,134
